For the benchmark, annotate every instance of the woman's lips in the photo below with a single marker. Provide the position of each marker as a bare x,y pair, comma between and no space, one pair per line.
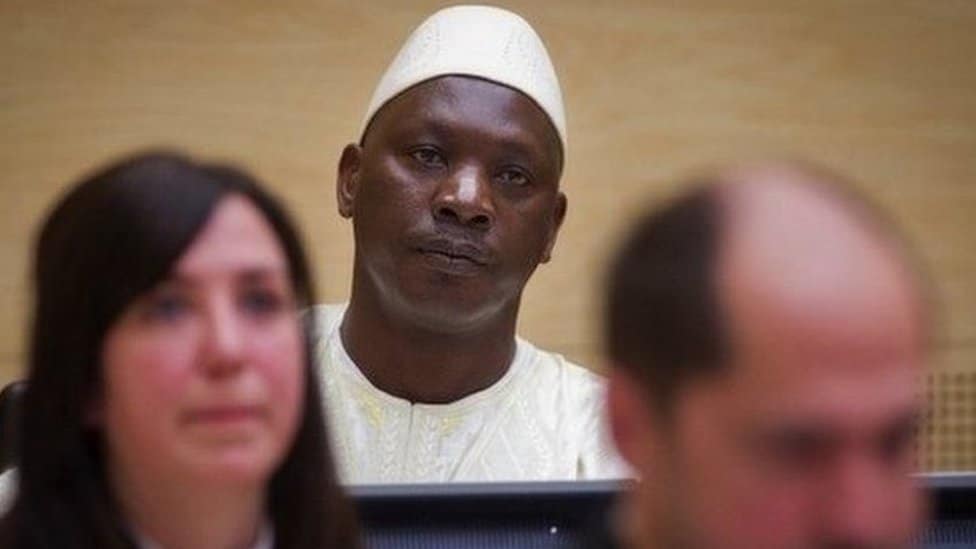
225,414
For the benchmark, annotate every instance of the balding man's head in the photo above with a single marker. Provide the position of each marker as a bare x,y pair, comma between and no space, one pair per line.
787,232
767,330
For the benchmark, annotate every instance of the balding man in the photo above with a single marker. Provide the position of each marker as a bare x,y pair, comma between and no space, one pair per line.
767,332
453,192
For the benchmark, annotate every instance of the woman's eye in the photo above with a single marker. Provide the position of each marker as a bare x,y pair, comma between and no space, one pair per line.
262,302
429,156
167,308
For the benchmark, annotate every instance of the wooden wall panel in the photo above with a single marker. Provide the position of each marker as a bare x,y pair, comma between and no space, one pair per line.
882,91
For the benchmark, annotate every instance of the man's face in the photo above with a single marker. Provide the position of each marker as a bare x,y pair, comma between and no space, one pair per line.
805,439
454,199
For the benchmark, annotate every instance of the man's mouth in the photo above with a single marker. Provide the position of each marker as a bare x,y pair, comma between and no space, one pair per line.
460,257
452,256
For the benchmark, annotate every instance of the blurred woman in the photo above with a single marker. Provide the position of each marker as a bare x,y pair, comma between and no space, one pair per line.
171,397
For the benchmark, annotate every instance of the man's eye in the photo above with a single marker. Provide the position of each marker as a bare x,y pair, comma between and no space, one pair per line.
796,452
898,444
429,157
514,177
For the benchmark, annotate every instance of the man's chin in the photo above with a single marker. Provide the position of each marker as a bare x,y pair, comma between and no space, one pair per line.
453,318
448,314
442,303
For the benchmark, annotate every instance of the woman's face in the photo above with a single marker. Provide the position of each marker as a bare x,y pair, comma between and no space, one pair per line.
203,376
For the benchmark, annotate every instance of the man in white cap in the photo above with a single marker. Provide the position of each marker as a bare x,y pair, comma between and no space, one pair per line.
453,192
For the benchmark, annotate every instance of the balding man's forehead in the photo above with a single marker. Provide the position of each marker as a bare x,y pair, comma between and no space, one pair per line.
793,221
800,266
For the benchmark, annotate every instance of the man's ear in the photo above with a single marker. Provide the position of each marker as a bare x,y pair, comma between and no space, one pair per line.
347,182
558,215
630,419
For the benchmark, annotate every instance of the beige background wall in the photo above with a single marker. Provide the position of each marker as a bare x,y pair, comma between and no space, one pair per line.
883,91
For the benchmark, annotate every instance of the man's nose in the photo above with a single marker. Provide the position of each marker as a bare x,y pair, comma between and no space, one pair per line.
464,197
224,340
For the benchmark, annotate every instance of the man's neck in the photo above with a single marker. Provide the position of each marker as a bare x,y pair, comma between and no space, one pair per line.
633,527
424,364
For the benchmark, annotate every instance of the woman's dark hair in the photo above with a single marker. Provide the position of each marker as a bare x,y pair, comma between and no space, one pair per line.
113,237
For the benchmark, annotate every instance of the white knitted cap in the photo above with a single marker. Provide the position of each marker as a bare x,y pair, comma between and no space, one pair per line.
481,41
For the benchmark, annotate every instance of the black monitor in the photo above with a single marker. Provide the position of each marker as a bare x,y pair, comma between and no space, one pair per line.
468,516
953,524
555,515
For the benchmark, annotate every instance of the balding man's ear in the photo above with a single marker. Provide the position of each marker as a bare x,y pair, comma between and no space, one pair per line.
347,182
559,214
629,417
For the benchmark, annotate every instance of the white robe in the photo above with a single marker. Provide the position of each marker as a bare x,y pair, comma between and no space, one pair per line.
543,420
8,490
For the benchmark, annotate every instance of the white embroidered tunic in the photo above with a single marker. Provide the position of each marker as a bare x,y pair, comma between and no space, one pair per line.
8,490
543,420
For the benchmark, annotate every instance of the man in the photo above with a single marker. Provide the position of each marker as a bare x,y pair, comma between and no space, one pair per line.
767,332
453,192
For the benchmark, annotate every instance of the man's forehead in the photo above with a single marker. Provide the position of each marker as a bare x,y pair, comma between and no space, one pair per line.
821,358
817,397
803,277
458,92
457,101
